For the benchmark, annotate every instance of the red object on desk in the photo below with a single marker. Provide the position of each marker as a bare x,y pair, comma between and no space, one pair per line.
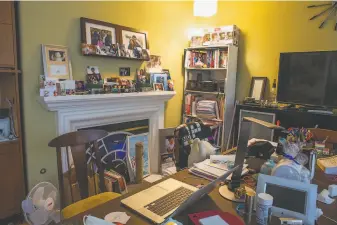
227,217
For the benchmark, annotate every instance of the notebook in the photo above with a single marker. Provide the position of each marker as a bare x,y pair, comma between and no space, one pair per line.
213,220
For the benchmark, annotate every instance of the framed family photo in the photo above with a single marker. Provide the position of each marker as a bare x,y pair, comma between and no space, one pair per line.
132,38
135,42
56,62
107,39
99,33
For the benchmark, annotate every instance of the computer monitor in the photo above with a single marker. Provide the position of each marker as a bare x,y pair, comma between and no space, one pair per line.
290,198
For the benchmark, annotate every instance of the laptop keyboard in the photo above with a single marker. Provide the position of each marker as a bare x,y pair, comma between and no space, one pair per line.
170,201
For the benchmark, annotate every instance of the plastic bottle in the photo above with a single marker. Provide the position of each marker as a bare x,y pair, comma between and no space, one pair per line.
263,207
267,167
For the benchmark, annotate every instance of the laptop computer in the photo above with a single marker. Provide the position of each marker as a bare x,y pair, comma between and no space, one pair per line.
169,197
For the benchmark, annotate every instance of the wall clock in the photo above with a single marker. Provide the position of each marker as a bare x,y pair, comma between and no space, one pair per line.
329,11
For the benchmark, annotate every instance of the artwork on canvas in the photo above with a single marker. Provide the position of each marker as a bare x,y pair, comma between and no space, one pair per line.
132,140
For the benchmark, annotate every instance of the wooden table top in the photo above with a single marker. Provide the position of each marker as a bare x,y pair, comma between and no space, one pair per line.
213,201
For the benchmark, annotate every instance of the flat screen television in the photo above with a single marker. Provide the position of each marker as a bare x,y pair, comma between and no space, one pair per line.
308,78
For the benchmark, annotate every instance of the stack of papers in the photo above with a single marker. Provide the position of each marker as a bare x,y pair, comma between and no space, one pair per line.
169,171
212,171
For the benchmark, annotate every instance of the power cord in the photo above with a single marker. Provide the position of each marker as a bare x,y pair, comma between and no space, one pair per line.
329,218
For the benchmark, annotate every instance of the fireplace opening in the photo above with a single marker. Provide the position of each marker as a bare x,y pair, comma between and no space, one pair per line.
117,148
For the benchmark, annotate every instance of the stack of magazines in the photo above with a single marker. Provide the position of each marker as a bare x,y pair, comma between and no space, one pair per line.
211,171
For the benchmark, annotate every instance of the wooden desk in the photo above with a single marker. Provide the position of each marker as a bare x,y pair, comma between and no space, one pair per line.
211,202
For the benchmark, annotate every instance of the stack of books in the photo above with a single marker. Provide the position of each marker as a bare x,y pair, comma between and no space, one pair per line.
207,109
206,59
211,171
114,182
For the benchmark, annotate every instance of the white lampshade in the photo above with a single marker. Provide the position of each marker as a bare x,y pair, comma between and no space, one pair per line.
205,8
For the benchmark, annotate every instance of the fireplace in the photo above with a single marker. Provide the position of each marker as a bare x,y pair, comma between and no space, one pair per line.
114,148
75,112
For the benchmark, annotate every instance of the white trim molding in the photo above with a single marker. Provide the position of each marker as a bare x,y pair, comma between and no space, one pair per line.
82,111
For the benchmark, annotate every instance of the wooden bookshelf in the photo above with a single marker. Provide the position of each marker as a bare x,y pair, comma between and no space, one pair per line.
9,71
6,142
223,72
11,156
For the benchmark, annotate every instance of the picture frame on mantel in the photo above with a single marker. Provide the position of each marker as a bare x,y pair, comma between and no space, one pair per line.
257,87
56,62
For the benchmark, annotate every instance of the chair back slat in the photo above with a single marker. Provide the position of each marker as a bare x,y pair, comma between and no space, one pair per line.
80,163
100,167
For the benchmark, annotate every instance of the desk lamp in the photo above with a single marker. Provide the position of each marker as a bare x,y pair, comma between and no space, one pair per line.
246,123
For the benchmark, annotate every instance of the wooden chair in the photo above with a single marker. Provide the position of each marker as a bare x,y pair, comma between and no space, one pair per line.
78,142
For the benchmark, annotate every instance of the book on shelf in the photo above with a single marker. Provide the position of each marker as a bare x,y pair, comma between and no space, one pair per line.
213,59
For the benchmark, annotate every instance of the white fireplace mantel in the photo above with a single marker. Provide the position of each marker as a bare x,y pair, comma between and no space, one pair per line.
82,111
74,101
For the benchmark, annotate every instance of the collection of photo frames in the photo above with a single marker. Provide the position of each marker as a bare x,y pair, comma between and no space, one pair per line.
101,38
112,41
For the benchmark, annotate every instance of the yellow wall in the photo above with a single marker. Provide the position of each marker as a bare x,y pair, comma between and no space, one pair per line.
267,28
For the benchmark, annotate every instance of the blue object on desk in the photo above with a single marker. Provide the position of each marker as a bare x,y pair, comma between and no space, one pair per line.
171,221
213,220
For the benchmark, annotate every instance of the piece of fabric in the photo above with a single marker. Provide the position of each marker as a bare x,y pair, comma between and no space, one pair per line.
185,134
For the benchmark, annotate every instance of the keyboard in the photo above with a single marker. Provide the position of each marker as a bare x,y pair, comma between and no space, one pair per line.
170,201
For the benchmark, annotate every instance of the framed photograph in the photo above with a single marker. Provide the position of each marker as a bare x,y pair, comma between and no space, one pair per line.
80,87
93,75
98,33
158,87
170,85
135,42
166,146
257,87
167,72
56,62
154,64
131,154
132,38
124,71
159,78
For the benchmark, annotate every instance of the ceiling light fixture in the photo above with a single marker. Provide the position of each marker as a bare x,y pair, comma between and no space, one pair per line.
205,8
